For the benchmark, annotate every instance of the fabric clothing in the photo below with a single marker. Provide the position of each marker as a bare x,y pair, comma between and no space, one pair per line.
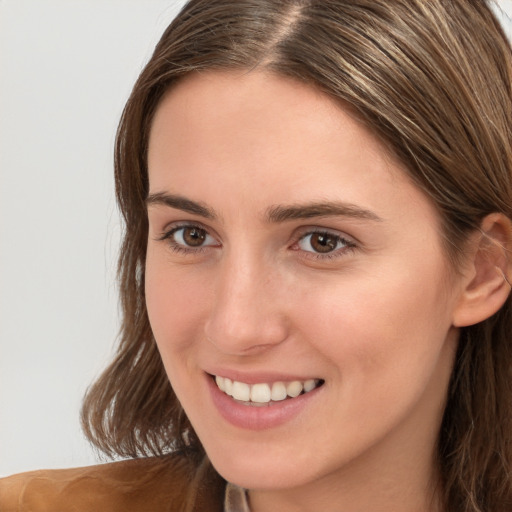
155,484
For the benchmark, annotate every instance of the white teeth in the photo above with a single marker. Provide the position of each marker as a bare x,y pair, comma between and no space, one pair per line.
241,391
294,388
278,391
262,392
309,385
228,386
220,383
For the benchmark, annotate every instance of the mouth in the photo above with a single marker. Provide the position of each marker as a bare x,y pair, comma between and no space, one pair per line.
264,393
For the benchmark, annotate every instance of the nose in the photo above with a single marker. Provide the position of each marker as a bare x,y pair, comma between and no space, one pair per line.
247,314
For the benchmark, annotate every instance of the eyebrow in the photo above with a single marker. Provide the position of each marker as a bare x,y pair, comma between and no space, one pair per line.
320,209
180,203
274,214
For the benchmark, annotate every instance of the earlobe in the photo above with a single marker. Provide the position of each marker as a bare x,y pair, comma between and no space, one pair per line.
489,270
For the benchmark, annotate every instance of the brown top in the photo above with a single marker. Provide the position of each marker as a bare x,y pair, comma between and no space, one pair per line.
139,485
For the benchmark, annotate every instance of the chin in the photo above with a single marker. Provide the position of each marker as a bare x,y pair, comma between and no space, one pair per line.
264,466
261,475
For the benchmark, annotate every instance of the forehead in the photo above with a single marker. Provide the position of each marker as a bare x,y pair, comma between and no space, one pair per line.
258,110
269,139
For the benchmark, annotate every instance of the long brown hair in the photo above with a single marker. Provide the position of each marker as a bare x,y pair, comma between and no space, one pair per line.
432,79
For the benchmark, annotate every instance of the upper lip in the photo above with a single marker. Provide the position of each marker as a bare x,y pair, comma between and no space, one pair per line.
258,377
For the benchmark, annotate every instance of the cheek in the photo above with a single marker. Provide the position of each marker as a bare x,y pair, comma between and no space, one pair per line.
176,302
387,360
382,332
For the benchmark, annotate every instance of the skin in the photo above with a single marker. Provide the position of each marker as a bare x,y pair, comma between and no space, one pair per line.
373,318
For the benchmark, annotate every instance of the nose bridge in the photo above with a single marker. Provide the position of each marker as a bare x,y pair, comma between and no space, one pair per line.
245,314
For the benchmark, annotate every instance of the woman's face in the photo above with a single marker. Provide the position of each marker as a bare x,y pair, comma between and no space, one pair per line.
288,252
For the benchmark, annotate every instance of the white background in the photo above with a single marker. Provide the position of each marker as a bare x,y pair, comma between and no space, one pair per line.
66,69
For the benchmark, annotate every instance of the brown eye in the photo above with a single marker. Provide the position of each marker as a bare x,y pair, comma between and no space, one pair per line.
190,237
193,236
322,242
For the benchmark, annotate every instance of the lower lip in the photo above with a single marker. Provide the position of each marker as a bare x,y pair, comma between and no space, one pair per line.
259,417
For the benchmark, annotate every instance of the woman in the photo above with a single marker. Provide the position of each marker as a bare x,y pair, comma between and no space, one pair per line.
315,275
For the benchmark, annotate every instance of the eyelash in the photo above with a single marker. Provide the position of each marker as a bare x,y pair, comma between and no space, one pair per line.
179,248
348,245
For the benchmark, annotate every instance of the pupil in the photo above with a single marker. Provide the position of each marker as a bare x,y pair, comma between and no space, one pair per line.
323,242
194,236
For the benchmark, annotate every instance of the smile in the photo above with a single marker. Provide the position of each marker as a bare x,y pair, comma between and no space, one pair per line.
265,393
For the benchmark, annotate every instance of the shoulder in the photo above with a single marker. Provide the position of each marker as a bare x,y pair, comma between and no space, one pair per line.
155,483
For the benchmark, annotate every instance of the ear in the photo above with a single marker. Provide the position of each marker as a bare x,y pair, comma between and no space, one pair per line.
488,273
